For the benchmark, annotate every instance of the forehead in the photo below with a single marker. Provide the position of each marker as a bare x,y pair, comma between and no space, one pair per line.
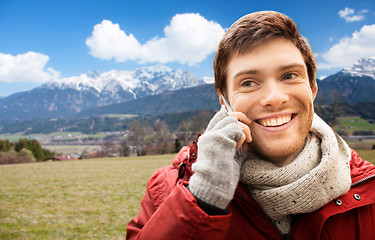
268,56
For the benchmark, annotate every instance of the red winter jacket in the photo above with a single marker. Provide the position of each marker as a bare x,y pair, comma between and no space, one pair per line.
169,211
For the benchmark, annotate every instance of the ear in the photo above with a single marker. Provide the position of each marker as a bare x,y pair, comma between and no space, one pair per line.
315,90
220,97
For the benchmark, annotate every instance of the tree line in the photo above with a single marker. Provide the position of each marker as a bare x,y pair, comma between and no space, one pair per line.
159,139
147,136
23,151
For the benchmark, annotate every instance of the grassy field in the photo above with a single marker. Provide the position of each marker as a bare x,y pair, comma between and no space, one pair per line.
361,144
83,199
70,149
353,124
367,154
86,199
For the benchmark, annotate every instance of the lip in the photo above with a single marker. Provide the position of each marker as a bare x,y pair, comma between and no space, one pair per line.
279,128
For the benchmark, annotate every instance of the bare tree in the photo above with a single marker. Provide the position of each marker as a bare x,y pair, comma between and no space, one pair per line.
163,137
109,148
124,148
338,98
184,131
201,121
189,128
138,133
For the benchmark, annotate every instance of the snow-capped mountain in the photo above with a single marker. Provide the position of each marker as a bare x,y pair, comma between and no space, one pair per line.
364,67
118,86
68,96
352,84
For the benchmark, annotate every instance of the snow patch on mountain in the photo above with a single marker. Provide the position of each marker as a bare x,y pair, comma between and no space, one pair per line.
364,67
209,80
149,80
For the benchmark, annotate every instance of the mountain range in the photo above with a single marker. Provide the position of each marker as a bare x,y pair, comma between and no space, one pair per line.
68,96
351,85
155,90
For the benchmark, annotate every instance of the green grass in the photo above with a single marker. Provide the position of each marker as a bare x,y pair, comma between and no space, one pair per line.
86,199
12,137
352,124
367,154
361,144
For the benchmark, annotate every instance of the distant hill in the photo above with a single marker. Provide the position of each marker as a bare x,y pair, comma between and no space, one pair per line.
189,99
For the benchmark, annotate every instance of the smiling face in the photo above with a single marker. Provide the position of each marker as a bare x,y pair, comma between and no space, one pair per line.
270,85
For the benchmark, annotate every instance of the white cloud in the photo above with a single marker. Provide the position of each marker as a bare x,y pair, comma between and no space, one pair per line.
27,67
109,41
189,38
349,49
349,15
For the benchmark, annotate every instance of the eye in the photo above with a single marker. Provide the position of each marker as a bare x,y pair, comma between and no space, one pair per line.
289,76
247,83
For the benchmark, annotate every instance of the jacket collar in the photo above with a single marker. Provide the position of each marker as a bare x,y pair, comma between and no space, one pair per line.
360,170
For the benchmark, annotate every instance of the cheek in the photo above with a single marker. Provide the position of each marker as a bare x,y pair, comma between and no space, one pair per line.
243,103
304,87
302,94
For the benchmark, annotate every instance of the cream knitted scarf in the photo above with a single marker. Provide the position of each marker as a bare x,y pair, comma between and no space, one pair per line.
319,174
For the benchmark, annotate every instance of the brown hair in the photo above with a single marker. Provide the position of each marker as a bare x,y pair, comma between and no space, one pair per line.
249,32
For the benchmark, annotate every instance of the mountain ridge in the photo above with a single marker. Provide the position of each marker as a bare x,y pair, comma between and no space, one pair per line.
153,78
69,96
364,67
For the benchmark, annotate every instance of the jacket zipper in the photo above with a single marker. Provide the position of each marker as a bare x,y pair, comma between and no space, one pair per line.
363,180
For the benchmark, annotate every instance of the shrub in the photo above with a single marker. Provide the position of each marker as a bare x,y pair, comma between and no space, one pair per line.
12,157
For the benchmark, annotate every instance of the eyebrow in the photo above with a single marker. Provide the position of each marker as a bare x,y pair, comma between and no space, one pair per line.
246,72
292,66
282,68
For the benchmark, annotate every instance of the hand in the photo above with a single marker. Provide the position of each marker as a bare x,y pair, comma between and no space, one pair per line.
217,169
244,122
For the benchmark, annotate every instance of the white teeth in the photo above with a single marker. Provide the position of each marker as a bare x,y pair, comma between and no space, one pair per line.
275,122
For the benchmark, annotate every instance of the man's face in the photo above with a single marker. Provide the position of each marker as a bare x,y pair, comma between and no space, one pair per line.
270,85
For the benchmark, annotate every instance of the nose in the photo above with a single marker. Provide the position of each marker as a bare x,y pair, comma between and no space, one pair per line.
274,95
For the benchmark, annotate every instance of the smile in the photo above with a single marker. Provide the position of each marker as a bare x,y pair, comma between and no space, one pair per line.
275,121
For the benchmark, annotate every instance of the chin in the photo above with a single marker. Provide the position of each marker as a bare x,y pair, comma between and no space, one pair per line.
279,153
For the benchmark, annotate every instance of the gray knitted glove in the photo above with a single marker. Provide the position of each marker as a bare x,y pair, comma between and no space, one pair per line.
217,169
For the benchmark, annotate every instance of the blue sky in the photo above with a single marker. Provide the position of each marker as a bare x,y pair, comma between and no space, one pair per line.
42,40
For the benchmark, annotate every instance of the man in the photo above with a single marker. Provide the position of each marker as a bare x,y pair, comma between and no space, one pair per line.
271,169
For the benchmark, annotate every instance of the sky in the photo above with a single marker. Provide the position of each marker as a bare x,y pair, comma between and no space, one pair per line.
43,40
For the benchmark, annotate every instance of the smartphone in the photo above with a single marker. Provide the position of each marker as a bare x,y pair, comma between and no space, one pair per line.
229,108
